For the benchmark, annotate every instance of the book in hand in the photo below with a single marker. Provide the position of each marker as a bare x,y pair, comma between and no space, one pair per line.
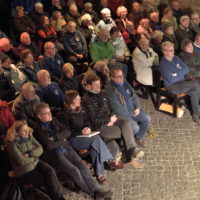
93,133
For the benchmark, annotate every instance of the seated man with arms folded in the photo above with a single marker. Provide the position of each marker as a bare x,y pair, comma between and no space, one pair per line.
24,105
173,72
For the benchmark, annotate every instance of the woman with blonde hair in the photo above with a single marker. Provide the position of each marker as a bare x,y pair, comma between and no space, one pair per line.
24,152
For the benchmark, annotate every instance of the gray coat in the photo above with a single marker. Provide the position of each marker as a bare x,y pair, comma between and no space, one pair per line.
118,103
192,61
16,149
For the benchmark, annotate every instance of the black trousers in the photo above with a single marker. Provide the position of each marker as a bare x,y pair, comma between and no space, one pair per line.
43,175
71,163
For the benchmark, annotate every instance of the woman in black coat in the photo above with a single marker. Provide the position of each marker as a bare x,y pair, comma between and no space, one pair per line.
75,118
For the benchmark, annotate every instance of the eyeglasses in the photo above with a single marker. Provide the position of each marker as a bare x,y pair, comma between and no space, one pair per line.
46,113
119,76
50,48
169,50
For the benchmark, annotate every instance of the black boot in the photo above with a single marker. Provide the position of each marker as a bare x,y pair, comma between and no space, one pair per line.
102,194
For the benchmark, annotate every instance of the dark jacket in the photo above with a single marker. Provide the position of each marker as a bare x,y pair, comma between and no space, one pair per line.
75,19
87,33
51,94
53,66
178,13
24,24
182,33
7,90
155,26
36,17
172,39
23,109
32,47
30,73
59,132
74,43
69,84
135,17
75,120
12,54
192,61
97,108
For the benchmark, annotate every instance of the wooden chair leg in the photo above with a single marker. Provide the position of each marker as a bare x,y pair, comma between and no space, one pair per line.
175,107
157,101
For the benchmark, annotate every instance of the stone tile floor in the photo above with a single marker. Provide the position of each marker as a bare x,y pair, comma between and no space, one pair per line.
172,163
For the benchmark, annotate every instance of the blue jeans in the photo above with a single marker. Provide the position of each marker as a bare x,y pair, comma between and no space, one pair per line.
99,152
140,124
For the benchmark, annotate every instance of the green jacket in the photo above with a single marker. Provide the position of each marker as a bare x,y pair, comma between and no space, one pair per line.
16,149
102,50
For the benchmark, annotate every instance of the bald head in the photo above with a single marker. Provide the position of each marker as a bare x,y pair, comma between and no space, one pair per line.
71,26
44,78
50,49
5,45
25,38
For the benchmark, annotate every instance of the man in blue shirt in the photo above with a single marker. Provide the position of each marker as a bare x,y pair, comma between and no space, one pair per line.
52,61
49,92
174,73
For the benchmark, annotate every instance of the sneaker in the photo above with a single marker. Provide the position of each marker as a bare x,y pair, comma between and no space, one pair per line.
116,165
133,154
140,143
138,154
102,194
196,119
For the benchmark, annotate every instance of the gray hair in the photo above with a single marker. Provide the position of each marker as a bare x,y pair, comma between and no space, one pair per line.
156,34
105,11
86,17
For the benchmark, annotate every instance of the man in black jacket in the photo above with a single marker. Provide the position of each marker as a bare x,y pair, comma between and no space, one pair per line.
58,152
192,60
102,118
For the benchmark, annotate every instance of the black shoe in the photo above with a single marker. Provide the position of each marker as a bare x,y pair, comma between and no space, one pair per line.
129,154
101,193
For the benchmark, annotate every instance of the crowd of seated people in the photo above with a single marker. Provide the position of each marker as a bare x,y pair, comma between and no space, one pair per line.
68,68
